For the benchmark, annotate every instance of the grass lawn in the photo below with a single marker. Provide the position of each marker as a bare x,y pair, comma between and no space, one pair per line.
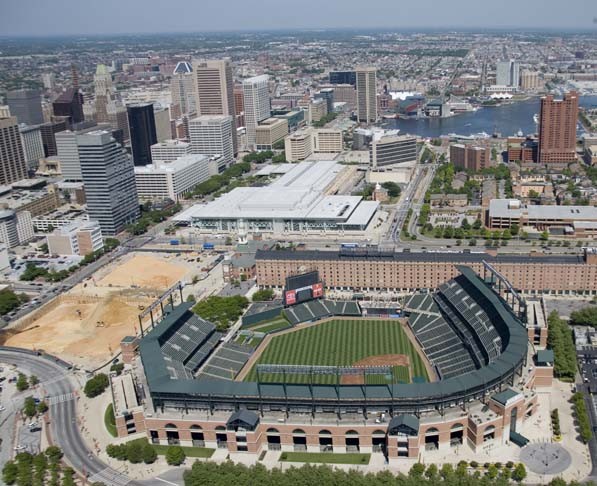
273,326
110,421
254,342
325,457
189,451
341,342
279,318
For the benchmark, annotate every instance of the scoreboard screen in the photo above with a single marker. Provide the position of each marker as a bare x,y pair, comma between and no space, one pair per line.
296,296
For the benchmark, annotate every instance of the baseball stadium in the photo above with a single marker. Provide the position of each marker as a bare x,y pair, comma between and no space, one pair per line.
449,367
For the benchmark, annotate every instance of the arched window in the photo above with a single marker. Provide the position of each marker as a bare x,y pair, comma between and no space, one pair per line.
352,432
489,430
196,427
431,431
325,432
298,432
170,426
273,431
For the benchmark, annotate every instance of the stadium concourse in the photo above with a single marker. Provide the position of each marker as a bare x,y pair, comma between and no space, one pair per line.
186,388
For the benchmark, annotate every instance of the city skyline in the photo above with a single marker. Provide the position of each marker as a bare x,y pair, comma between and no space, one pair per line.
66,17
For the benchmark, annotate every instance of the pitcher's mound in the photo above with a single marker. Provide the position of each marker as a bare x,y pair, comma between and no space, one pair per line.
377,360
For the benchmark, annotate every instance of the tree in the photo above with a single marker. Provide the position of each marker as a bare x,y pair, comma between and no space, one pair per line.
417,470
10,301
10,472
263,295
584,317
22,382
96,385
492,471
30,408
175,455
431,472
519,473
514,229
118,451
117,368
134,452
68,477
507,235
222,311
42,407
392,188
544,236
33,380
54,453
465,224
149,454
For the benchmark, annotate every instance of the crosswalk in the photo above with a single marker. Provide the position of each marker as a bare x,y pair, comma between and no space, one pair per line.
61,398
109,477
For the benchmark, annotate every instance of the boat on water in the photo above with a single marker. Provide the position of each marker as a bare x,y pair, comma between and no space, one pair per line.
536,118
472,136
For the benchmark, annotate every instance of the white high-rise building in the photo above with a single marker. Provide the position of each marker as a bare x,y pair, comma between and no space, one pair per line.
212,135
257,105
32,145
109,178
170,150
508,74
68,154
182,88
214,89
171,180
366,94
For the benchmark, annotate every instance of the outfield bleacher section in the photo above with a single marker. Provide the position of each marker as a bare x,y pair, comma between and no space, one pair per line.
188,344
227,361
454,330
441,344
316,310
471,319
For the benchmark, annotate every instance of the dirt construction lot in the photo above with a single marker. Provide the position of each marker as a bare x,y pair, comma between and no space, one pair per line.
86,325
146,271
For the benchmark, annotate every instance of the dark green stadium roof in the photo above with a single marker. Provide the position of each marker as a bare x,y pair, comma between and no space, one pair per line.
503,397
160,383
545,357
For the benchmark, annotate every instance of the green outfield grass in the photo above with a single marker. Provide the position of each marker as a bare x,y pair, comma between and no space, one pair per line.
276,325
341,342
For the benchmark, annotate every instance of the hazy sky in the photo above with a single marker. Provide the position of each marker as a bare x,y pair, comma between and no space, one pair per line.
40,17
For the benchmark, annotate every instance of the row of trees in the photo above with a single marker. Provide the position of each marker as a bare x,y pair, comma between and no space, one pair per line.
32,271
220,181
138,451
23,383
31,409
560,340
135,451
324,120
582,417
584,317
222,311
150,217
239,475
38,470
9,301
555,422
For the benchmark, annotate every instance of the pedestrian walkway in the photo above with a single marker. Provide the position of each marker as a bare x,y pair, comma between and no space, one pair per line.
109,477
